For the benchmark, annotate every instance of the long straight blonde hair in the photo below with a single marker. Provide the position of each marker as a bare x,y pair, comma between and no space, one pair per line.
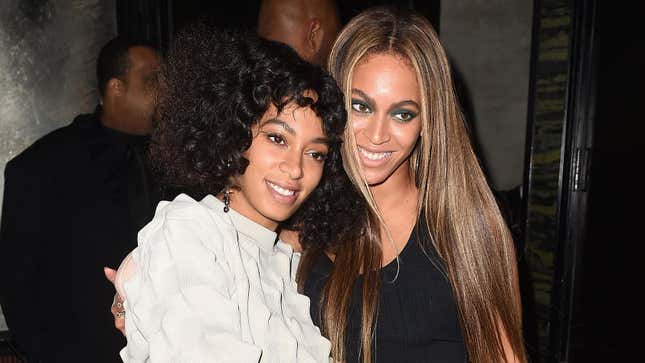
464,222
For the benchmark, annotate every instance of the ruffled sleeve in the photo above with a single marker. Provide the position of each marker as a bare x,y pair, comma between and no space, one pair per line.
181,303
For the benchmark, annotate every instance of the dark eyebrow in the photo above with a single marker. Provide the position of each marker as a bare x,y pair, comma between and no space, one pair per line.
284,125
373,104
364,95
290,130
406,103
321,140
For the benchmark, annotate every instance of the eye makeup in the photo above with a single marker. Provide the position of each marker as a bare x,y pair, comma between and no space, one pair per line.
403,115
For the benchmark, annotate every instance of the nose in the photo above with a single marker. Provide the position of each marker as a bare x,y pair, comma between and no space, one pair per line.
377,130
292,165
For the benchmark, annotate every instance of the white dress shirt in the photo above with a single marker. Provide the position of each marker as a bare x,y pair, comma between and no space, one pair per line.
208,286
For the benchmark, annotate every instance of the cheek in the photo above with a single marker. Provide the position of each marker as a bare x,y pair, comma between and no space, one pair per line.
407,135
357,124
313,171
145,94
261,155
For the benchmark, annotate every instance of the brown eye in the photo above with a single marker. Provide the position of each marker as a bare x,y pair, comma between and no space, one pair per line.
404,116
318,156
276,139
360,107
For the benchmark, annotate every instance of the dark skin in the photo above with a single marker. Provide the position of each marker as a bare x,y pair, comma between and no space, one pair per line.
129,101
308,26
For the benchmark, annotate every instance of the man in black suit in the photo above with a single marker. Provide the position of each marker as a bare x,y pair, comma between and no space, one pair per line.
73,203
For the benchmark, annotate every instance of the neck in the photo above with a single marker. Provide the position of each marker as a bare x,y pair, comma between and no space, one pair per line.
248,211
396,199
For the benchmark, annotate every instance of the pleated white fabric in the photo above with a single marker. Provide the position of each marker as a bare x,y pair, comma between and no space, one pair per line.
209,286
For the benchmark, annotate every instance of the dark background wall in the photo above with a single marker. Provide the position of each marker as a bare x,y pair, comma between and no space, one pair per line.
489,43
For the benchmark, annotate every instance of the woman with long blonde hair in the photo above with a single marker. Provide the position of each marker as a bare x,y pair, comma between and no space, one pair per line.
430,274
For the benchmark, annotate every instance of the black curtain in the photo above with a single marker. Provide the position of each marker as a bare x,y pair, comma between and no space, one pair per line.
146,20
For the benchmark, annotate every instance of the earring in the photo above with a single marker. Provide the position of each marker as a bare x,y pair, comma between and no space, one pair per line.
227,200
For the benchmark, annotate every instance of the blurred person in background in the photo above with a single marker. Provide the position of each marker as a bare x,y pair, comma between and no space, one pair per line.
73,203
308,26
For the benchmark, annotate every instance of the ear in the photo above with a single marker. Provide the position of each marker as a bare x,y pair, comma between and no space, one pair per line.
115,87
315,35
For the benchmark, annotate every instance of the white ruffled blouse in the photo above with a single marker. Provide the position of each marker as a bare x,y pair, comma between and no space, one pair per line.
209,286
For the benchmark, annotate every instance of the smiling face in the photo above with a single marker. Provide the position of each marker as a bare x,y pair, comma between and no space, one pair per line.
286,160
385,116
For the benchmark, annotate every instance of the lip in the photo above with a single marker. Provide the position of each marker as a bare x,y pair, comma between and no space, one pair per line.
373,150
366,161
281,198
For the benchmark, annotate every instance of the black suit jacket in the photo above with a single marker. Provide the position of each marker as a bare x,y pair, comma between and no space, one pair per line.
66,213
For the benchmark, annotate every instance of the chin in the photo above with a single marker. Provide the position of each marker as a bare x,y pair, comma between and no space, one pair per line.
277,213
375,177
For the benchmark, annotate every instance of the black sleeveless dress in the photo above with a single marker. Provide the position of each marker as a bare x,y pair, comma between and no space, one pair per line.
417,317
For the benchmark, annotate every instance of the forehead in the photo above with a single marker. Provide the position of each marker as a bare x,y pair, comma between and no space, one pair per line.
143,58
386,73
302,120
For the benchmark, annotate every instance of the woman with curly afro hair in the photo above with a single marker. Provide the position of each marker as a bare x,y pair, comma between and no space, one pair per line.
248,133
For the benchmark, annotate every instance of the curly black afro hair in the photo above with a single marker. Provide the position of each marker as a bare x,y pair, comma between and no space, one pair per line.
217,84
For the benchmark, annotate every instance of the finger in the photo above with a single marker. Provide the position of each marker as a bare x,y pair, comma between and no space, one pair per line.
119,324
110,274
